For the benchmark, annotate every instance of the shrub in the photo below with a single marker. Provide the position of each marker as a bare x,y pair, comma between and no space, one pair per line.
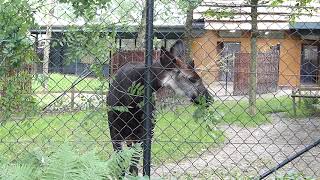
310,102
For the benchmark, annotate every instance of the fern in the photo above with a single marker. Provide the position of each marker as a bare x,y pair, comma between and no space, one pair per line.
93,167
17,172
65,163
136,89
120,162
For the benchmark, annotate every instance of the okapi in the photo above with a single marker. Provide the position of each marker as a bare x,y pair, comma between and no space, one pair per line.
127,126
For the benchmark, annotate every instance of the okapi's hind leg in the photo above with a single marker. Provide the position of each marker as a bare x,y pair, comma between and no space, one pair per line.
116,141
117,146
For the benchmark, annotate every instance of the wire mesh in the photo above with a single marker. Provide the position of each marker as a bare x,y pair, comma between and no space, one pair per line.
74,72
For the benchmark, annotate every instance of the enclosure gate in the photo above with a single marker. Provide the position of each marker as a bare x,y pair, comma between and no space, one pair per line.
267,73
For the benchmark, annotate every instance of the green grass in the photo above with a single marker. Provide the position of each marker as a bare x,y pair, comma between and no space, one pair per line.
88,130
82,129
177,134
61,82
236,112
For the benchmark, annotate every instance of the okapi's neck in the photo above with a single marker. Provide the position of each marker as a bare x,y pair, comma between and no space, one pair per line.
161,76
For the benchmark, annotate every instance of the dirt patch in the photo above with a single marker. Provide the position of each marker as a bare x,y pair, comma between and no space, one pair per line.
251,151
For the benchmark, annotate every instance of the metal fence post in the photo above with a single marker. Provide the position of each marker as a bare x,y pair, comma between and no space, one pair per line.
147,89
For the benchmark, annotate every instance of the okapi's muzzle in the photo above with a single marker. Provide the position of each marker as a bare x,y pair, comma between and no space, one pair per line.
203,99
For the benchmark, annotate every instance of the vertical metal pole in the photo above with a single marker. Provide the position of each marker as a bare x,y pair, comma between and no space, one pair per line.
147,90
227,77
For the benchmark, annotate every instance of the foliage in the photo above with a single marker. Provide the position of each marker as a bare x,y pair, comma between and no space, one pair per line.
220,13
298,7
224,61
87,8
296,2
206,116
190,4
293,175
310,103
17,97
66,163
93,42
16,54
16,49
136,89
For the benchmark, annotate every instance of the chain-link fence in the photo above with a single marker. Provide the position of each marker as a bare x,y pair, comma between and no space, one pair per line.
212,89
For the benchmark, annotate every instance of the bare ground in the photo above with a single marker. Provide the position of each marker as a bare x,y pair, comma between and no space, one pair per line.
251,151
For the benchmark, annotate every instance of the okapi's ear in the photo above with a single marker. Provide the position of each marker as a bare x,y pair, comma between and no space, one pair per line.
191,64
172,50
167,60
178,49
163,49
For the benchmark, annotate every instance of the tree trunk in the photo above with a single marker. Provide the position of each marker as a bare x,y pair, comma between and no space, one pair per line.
142,29
253,61
46,51
189,34
34,68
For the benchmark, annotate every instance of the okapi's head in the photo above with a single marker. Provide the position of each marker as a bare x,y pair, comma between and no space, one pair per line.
183,78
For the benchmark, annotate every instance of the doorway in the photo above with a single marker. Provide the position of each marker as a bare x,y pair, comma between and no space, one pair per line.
227,51
309,64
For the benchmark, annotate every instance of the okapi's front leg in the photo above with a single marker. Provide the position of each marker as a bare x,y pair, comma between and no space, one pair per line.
137,138
135,159
136,125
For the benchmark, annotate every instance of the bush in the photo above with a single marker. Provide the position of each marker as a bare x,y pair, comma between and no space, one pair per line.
16,54
310,102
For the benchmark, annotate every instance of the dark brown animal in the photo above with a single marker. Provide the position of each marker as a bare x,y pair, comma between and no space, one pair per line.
127,125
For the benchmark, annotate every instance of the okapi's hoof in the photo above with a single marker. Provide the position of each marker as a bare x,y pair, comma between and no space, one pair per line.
133,170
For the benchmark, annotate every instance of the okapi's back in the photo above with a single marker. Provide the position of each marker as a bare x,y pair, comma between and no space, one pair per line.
125,77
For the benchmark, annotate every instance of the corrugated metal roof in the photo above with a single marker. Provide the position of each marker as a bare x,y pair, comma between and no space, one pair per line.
306,25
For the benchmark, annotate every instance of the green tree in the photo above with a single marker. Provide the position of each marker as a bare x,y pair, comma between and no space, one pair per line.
92,40
188,8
